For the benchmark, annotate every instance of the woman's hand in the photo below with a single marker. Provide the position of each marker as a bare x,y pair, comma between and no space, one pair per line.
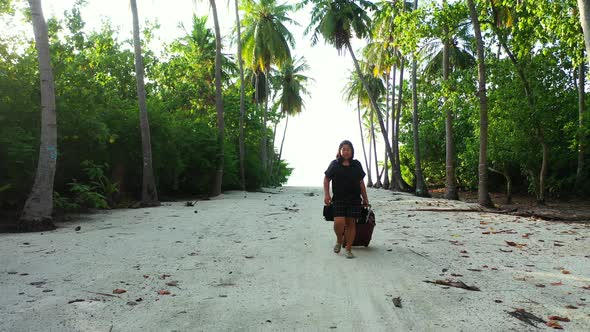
327,199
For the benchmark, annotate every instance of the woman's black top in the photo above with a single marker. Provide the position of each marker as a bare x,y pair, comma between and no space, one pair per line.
346,180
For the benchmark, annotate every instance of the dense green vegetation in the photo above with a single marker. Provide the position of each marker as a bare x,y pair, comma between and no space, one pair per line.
450,116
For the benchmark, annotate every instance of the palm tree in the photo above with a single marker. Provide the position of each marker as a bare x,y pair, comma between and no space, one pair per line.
353,91
421,189
335,21
218,105
266,41
149,194
446,54
293,86
242,99
38,208
482,190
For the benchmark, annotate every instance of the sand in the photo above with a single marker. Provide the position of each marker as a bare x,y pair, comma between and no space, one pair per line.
264,262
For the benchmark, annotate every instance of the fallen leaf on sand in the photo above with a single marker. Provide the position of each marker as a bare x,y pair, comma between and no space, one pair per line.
557,283
526,317
586,287
554,324
571,307
172,283
163,292
565,271
146,276
76,300
164,276
249,256
485,232
119,291
561,319
132,303
514,244
540,285
397,302
474,270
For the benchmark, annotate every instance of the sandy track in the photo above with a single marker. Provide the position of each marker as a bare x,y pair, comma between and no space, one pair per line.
263,262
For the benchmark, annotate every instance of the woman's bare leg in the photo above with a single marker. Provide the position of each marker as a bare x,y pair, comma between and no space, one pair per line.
350,232
339,223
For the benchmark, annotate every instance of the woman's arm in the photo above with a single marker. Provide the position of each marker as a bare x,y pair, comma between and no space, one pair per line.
364,194
327,198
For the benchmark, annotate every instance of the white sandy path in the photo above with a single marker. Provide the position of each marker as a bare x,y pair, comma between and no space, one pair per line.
291,280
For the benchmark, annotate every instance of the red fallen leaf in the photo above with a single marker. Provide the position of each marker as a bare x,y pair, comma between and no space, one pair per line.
119,291
510,243
484,266
557,283
554,324
483,223
540,285
163,292
565,271
485,232
571,307
561,319
146,276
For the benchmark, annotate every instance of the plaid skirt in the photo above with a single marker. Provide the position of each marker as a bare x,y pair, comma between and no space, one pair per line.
351,209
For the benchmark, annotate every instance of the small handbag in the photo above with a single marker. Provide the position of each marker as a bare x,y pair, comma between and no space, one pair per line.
329,212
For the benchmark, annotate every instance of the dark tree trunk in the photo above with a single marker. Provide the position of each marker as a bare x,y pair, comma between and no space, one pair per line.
242,101
451,182
421,189
149,194
581,137
483,195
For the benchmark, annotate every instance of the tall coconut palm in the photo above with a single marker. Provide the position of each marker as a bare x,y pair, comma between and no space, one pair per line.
353,92
242,99
445,54
149,194
266,41
335,21
38,208
421,189
293,86
216,190
482,190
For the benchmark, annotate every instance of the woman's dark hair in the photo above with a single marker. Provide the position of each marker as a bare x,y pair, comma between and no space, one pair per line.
343,143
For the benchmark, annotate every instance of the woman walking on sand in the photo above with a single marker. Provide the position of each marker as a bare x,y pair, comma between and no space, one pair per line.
346,174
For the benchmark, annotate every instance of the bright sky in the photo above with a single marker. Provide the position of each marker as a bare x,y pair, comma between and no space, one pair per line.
312,137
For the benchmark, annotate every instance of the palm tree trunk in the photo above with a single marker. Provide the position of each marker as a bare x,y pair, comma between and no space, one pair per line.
271,162
374,141
283,140
149,194
372,99
218,105
483,195
242,101
367,166
584,9
385,162
264,146
393,185
451,182
581,137
38,208
397,173
421,189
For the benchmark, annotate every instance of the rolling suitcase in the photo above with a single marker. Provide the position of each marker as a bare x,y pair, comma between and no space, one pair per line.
364,228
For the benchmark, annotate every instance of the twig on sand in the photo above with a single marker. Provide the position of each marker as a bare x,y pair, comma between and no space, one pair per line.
104,294
457,284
